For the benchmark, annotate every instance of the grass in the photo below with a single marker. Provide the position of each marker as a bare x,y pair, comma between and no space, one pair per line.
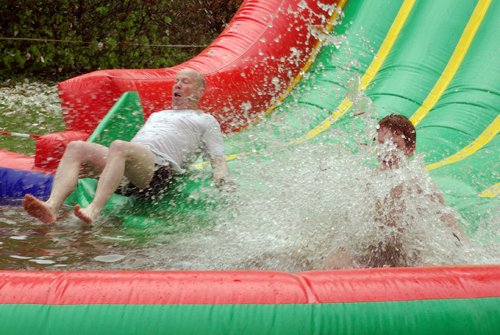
28,107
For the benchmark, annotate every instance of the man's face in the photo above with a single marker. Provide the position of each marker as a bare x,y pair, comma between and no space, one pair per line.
391,148
186,91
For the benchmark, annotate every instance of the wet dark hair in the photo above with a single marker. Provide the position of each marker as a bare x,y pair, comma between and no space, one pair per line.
400,125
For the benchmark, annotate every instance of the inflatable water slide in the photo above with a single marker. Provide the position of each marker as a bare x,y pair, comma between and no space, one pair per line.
436,62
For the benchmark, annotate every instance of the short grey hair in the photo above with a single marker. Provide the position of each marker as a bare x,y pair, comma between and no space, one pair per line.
200,79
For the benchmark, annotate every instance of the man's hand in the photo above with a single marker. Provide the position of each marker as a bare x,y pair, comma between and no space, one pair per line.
220,172
220,178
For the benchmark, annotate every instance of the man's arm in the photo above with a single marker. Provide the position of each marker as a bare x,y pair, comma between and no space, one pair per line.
220,170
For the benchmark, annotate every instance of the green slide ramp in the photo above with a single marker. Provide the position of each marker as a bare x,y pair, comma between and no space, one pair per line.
437,63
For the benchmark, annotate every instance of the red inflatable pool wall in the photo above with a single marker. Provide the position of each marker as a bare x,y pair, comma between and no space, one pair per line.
248,287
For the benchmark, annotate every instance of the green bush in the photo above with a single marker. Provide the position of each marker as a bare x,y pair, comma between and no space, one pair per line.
63,38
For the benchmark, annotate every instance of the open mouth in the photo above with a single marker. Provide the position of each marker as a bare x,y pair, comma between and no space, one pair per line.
177,95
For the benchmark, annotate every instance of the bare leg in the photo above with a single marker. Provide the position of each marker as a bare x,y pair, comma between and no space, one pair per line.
76,154
134,161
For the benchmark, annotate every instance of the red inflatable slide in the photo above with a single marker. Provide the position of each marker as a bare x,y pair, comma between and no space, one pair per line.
253,61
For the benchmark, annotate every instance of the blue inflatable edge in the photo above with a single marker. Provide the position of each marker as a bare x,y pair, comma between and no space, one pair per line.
16,183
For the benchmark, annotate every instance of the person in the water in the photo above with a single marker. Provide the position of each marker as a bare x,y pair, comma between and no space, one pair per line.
396,138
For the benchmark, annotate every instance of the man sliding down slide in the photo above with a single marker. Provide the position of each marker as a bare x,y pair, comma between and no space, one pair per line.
168,142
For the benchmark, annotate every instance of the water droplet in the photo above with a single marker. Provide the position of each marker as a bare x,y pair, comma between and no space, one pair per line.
109,258
19,237
19,257
42,261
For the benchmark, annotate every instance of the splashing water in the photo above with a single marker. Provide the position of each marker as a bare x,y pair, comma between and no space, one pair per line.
20,97
295,207
28,107
294,210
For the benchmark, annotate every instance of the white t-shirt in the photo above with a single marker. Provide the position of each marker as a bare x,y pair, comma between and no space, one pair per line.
178,137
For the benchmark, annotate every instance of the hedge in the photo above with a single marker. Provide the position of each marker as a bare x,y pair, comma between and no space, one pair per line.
63,37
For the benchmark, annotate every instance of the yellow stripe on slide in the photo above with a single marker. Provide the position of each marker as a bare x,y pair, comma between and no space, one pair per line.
370,73
491,191
310,61
487,135
454,62
204,164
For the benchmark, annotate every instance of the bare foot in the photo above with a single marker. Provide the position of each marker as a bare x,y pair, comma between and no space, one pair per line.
81,213
38,209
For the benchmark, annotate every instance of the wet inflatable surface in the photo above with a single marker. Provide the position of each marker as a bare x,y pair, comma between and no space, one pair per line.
435,62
